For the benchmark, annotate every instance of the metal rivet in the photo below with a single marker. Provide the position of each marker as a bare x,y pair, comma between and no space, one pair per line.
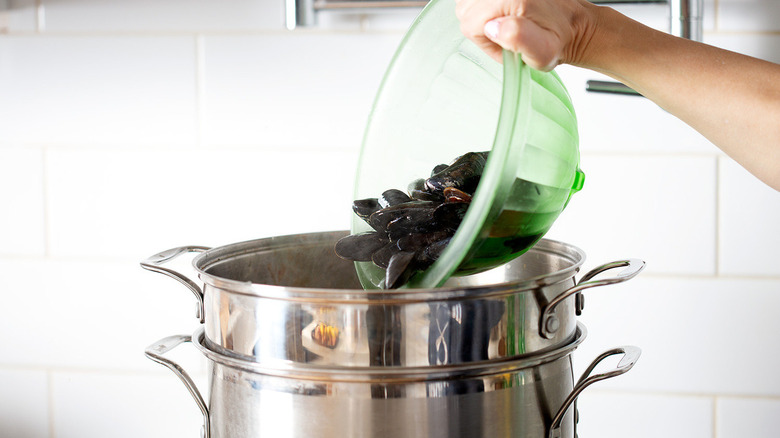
552,324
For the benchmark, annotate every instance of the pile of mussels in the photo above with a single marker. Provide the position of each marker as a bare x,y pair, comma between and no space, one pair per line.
412,230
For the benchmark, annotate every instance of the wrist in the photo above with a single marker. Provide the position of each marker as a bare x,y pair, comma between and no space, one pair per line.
593,37
611,43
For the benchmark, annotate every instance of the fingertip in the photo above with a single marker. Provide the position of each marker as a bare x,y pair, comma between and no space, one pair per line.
492,29
535,44
504,31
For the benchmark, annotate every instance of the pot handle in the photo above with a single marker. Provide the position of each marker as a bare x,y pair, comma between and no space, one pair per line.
630,357
155,262
549,324
156,351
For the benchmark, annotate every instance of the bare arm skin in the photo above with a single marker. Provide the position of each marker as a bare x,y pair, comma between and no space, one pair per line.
731,99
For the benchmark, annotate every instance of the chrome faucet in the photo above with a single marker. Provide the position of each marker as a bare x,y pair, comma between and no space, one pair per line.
685,18
685,15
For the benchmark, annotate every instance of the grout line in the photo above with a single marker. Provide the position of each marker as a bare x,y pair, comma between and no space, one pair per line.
713,395
716,15
230,33
347,149
691,276
50,370
40,17
101,259
715,417
648,153
50,401
254,147
359,30
718,163
200,69
45,195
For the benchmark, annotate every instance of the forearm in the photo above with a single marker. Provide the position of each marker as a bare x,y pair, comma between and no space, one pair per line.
742,117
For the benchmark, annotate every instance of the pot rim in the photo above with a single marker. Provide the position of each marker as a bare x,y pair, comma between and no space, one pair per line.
396,374
205,260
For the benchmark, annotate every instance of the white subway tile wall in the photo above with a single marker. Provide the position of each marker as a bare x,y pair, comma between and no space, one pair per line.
700,335
256,88
105,90
107,16
748,15
606,414
191,197
22,230
604,119
747,208
122,406
127,128
630,202
747,417
24,406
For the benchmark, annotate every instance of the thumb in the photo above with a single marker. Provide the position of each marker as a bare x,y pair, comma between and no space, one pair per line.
537,45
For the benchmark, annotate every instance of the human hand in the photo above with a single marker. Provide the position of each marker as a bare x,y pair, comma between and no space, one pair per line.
545,32
702,85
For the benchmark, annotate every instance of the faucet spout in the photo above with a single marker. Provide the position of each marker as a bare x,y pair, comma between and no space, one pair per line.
686,18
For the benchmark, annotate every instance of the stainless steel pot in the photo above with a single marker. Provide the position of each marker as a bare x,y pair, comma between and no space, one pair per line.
291,298
529,397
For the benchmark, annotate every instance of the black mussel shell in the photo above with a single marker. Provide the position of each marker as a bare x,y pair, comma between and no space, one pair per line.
432,252
420,241
399,269
439,168
463,174
381,218
450,215
381,257
412,230
360,247
393,197
414,221
365,207
418,191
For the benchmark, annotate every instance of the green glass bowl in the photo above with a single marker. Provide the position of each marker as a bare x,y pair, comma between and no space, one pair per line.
442,97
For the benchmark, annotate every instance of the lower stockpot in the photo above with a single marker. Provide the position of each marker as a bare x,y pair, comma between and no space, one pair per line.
291,298
529,397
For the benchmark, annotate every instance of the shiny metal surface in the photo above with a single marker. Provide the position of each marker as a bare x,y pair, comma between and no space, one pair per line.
548,324
685,21
610,87
686,18
157,351
155,264
291,298
303,13
630,357
528,398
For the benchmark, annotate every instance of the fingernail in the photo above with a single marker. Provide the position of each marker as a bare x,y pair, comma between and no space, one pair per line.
491,29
